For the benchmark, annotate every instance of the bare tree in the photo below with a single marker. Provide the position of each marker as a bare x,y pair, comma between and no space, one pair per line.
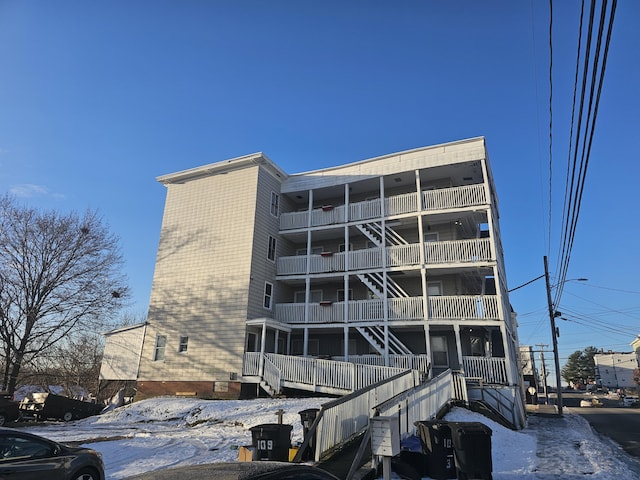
59,274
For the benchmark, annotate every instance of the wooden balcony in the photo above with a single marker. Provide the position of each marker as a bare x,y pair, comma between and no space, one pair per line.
464,307
452,252
429,200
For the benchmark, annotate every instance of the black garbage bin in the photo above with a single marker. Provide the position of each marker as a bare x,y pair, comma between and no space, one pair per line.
435,438
472,447
271,441
307,418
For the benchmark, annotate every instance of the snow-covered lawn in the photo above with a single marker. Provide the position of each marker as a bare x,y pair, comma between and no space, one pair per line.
168,432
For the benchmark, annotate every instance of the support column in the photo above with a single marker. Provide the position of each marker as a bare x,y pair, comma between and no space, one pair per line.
263,341
385,299
456,330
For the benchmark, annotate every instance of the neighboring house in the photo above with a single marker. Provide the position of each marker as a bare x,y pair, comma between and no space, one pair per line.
529,374
616,370
121,358
392,261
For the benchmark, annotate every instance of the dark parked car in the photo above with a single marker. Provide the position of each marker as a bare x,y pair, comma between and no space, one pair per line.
24,456
8,409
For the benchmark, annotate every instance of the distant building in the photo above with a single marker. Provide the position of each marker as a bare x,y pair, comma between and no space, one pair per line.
616,370
394,261
529,374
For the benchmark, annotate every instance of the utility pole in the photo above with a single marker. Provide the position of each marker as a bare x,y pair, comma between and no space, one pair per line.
554,336
544,372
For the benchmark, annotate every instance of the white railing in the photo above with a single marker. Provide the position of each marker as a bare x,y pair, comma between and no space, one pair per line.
344,418
484,307
452,251
455,197
401,255
420,403
458,251
405,203
407,362
405,308
327,374
464,307
251,365
272,375
489,369
364,210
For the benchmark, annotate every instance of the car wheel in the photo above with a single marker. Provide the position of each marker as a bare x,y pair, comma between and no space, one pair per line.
3,419
86,474
67,417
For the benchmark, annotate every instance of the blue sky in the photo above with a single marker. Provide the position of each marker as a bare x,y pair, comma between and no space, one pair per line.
97,99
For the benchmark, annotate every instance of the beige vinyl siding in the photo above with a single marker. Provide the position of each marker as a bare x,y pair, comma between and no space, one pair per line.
201,280
262,269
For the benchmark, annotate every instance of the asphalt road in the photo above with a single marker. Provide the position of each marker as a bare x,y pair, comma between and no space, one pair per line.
621,424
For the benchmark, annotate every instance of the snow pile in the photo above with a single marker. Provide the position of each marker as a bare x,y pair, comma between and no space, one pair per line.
167,432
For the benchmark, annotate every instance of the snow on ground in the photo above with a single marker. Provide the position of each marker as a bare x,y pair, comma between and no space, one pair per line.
167,432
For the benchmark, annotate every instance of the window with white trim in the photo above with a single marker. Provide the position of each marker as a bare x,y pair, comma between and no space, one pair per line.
275,204
439,351
268,295
271,249
161,344
183,345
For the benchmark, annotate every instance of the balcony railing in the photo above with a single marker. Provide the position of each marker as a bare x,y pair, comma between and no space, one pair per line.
447,252
487,369
475,307
439,199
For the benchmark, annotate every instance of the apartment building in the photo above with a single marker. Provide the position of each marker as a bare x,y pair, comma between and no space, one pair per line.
394,261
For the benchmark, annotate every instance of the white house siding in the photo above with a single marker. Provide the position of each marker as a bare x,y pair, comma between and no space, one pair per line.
121,355
615,370
202,276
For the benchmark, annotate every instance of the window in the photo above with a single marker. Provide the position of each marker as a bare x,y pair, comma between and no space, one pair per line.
17,447
271,249
184,344
315,296
342,247
341,294
275,204
431,237
434,288
268,295
161,343
439,351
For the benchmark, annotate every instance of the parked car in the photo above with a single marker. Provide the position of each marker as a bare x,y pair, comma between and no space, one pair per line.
630,401
9,410
25,456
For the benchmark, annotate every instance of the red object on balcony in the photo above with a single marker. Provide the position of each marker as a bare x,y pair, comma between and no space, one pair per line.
326,254
325,304
326,208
